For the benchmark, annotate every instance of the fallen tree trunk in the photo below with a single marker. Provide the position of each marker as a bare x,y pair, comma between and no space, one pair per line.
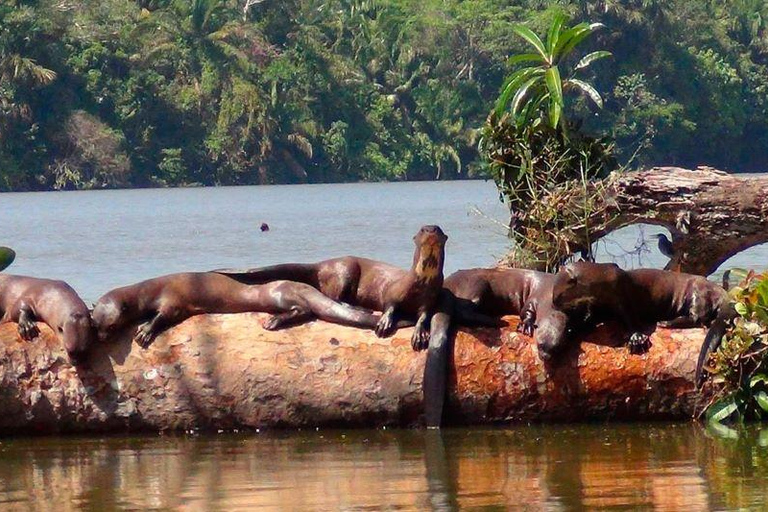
226,372
711,215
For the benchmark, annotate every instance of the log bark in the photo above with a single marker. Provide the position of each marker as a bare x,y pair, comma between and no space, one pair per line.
226,372
712,215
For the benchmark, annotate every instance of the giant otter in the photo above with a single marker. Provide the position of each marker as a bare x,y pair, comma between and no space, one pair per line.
641,298
372,284
25,300
165,301
479,297
482,293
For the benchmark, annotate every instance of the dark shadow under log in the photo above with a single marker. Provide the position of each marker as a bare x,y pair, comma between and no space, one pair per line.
226,372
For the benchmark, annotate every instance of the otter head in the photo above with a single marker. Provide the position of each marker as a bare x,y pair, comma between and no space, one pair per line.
430,252
77,333
110,315
552,335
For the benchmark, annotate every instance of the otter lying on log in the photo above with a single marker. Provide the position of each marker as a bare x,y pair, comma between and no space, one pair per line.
168,300
641,298
225,372
26,300
480,297
372,284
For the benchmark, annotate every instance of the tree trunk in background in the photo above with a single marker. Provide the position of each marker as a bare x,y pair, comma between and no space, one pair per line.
711,215
226,372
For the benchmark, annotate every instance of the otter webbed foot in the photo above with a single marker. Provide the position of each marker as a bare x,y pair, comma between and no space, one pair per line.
639,343
386,326
27,327
420,338
527,322
28,330
145,335
273,323
292,317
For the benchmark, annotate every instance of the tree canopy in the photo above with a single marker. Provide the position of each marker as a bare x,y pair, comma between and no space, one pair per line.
115,93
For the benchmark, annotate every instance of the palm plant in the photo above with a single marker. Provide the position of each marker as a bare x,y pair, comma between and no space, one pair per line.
527,89
18,26
211,31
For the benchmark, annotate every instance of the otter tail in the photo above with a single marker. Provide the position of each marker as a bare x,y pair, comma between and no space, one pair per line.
299,272
713,339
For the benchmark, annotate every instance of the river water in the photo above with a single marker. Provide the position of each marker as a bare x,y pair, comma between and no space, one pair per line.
98,240
664,467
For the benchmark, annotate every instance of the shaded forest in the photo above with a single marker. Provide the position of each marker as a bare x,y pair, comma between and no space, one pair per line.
124,93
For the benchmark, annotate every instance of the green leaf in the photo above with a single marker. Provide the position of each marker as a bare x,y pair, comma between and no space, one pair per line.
512,83
7,255
532,38
521,94
590,58
555,88
554,31
762,293
524,57
761,397
757,379
741,309
588,90
722,409
569,39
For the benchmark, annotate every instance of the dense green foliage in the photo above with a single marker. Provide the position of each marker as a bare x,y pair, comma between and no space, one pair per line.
97,93
740,366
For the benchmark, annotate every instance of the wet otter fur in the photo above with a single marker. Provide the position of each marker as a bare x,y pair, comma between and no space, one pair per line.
159,303
25,300
373,284
641,298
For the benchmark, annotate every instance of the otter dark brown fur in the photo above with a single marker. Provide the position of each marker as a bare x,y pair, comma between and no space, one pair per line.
25,300
479,297
372,284
483,293
641,298
165,301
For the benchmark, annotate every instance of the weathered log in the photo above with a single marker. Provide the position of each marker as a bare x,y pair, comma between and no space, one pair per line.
226,372
712,215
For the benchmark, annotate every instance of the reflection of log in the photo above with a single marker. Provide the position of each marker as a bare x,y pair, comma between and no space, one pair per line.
224,371
712,215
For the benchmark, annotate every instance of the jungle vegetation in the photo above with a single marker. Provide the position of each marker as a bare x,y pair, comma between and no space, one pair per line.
122,93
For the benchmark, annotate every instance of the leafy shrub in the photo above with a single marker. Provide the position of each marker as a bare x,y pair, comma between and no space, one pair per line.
740,366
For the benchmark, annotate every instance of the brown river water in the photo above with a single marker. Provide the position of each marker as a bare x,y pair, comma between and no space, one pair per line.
612,467
98,240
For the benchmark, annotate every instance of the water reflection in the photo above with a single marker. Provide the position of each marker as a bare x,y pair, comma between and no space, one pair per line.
663,467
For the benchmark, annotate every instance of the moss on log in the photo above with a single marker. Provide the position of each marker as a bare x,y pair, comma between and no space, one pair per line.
226,372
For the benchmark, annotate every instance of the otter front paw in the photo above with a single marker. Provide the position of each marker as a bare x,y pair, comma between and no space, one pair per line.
273,323
527,323
28,330
386,326
144,335
420,339
639,343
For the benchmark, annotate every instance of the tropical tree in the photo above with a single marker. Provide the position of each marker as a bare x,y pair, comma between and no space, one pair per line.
527,89
536,159
22,37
